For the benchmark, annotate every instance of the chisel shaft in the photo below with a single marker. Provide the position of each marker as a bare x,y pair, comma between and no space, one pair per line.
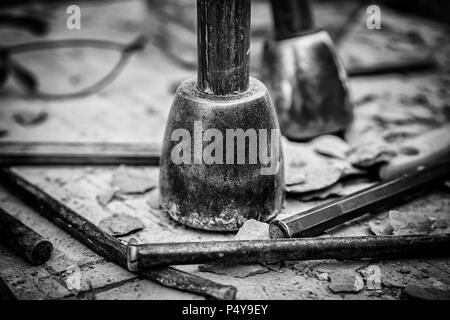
141,256
317,220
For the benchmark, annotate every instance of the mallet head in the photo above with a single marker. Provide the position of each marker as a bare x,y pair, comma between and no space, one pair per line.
304,75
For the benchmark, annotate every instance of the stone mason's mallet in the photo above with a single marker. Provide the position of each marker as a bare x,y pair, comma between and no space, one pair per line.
222,191
304,75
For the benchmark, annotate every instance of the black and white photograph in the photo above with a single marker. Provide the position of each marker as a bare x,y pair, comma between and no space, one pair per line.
259,152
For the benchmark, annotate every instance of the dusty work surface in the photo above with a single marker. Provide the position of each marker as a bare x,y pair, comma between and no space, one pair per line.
390,110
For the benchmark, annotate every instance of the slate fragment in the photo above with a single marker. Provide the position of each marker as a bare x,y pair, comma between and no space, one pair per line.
119,225
314,171
345,282
380,228
237,271
331,146
132,181
106,197
30,118
253,230
322,276
410,223
153,199
335,190
368,156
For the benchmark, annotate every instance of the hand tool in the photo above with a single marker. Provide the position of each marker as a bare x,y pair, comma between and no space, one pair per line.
69,153
104,244
315,221
219,195
141,256
23,240
305,78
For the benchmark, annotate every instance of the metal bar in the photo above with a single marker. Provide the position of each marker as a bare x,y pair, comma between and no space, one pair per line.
23,240
251,251
315,221
64,153
104,244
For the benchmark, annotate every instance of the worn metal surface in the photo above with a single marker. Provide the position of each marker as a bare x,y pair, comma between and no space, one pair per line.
222,194
221,197
308,85
105,244
134,110
271,251
381,196
25,241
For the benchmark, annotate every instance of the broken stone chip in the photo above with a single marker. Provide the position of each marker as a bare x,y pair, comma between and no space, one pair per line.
237,271
380,228
331,146
133,181
30,118
316,172
345,282
409,223
253,230
333,191
119,225
153,199
369,156
106,197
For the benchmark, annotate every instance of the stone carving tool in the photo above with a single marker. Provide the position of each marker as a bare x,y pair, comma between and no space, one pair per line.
23,240
421,168
383,195
220,192
141,256
104,244
305,78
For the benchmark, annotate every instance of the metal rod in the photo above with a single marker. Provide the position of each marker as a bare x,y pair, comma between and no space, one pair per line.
317,220
251,251
223,28
23,240
66,153
291,18
104,244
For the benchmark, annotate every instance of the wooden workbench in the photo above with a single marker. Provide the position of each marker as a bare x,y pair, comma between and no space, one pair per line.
134,109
